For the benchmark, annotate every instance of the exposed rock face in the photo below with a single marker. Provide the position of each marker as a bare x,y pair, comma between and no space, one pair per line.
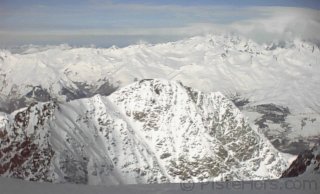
307,162
153,131
25,150
282,75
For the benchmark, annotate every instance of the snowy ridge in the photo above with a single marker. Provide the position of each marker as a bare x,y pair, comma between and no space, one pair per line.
153,131
220,62
280,73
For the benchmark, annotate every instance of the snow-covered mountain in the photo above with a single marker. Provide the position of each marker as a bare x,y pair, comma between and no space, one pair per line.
280,80
153,131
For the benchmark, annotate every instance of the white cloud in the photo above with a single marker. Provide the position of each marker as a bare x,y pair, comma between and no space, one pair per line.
281,23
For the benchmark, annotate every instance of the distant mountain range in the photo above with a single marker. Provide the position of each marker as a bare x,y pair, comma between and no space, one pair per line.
159,113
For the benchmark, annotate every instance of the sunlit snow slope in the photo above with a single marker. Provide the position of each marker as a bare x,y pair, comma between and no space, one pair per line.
153,131
278,79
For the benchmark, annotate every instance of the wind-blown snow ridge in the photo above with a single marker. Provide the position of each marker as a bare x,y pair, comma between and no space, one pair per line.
153,131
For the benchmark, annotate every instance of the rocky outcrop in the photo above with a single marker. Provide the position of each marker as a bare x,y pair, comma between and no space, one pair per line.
307,162
25,151
153,131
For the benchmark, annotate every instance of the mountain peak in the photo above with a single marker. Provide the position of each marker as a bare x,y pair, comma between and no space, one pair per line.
152,131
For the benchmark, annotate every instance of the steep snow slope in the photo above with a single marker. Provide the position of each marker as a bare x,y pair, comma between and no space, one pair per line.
279,75
153,131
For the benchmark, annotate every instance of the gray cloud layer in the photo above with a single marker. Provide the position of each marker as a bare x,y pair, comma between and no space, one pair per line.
259,23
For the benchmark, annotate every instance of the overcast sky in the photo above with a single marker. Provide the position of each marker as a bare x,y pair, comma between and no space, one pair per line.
122,22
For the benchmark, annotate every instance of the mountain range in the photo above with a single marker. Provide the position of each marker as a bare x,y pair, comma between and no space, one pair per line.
207,108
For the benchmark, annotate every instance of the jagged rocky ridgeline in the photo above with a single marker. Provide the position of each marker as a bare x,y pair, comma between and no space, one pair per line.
153,131
306,163
279,81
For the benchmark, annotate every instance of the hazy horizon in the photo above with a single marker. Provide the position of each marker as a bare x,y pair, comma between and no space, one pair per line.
121,23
